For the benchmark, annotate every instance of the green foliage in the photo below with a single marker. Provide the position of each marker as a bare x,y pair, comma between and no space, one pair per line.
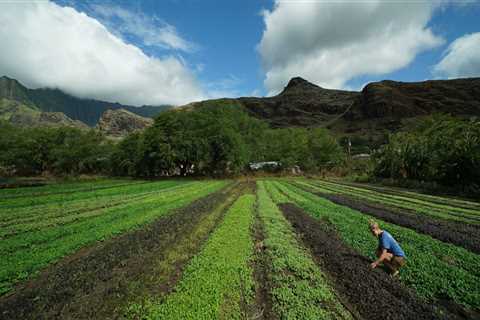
310,149
205,141
441,149
220,140
63,151
218,282
41,229
213,140
435,269
299,288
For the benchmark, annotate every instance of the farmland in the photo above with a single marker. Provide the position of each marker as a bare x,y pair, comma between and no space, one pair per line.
225,249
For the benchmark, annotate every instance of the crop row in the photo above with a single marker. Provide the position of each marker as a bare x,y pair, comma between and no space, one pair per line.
65,187
12,218
434,269
445,206
298,288
218,282
36,202
419,206
26,253
445,200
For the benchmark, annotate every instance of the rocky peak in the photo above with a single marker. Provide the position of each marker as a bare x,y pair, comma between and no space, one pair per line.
299,84
120,122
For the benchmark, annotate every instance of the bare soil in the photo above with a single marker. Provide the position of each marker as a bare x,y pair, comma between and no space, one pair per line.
97,282
373,293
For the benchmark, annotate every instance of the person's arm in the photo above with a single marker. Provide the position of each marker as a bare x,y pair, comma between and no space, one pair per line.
380,259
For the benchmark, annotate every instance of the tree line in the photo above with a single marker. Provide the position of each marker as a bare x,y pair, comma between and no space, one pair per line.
208,140
441,149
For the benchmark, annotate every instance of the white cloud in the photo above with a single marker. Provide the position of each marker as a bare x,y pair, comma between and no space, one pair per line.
225,87
330,43
151,30
46,45
461,59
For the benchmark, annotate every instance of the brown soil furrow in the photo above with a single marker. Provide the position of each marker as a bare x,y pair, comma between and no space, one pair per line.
457,233
97,282
263,299
374,293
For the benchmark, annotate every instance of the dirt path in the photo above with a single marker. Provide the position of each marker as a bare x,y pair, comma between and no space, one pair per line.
374,293
457,233
97,282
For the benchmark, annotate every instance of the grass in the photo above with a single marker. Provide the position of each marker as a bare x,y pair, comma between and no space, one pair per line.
26,251
299,288
218,282
435,269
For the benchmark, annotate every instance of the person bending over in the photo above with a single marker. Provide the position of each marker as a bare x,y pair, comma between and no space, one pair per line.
389,251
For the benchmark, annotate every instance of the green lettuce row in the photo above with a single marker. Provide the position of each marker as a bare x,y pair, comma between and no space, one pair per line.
299,288
72,208
36,202
219,280
422,209
405,199
64,187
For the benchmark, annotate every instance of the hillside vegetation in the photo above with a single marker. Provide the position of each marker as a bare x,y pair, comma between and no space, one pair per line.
87,111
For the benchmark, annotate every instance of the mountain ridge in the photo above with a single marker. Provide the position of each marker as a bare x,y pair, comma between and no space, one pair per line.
367,116
87,111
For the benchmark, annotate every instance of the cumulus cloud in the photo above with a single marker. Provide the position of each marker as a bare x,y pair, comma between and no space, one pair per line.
330,43
46,45
461,59
151,30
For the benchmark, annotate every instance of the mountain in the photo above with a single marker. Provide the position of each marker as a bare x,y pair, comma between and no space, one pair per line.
118,123
410,99
301,103
366,116
24,115
88,111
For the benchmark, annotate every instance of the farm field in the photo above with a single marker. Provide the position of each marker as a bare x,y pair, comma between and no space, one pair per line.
225,249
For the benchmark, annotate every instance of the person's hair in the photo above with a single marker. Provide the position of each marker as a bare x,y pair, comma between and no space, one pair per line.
373,225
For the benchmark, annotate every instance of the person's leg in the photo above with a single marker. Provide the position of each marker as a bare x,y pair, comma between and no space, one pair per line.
388,262
395,264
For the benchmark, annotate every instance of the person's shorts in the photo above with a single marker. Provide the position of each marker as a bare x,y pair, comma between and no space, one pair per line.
396,263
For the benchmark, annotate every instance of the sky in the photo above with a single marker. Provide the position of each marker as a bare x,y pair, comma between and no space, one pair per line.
153,52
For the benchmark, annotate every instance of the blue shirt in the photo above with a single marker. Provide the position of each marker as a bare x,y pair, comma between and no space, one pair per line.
386,241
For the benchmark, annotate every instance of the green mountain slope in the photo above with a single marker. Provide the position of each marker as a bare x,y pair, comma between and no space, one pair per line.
24,115
88,111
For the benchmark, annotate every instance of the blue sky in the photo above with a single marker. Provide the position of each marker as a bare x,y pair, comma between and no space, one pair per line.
175,52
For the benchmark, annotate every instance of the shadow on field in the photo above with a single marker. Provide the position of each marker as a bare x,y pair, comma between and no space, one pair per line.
97,282
373,293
